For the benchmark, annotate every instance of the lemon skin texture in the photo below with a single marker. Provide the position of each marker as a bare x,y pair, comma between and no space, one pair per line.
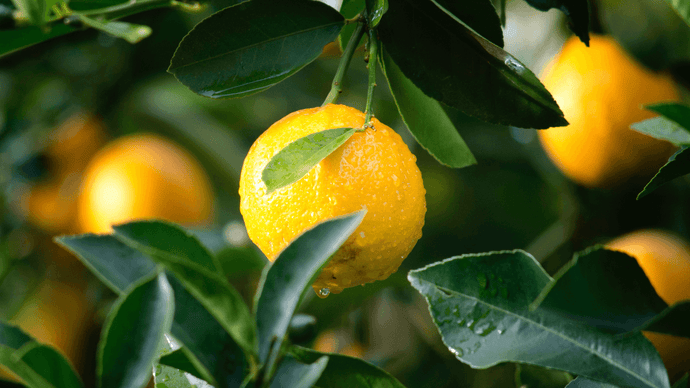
143,176
374,169
665,259
602,91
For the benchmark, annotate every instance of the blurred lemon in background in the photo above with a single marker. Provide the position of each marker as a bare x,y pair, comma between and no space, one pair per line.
665,259
373,169
334,341
602,91
143,176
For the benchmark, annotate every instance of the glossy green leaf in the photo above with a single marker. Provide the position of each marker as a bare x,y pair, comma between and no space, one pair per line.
38,365
480,304
113,262
292,373
286,281
532,376
132,33
207,286
479,15
133,333
346,372
577,12
119,266
375,10
678,165
299,157
179,359
459,68
169,377
19,38
664,129
251,46
582,382
426,119
678,113
608,290
682,7
349,9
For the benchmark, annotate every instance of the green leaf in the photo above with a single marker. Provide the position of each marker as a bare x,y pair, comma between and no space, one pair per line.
480,304
133,333
672,111
90,5
132,33
286,281
459,68
169,377
682,7
531,376
678,165
294,374
577,12
35,10
608,290
249,47
349,9
39,366
375,10
207,286
119,266
479,15
582,382
297,158
664,129
426,119
346,372
179,359
683,382
19,38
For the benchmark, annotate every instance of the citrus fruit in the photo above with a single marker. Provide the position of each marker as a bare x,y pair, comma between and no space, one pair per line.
665,259
602,91
143,176
374,169
333,341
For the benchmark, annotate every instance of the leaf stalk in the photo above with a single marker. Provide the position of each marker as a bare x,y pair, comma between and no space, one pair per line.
337,85
371,65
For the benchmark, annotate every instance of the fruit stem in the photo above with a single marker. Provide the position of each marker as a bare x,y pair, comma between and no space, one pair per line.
337,86
371,65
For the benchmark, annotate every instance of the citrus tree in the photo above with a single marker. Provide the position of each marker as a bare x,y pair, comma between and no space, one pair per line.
334,199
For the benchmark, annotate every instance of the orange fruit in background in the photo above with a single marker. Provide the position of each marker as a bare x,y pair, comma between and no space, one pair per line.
374,169
332,341
665,259
143,176
51,205
602,91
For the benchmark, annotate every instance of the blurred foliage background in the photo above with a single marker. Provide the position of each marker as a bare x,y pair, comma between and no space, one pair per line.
63,100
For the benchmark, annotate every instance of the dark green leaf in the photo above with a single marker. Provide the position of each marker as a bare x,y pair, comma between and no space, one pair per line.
19,38
582,382
133,333
608,290
114,263
682,7
678,165
132,33
664,129
297,158
240,262
349,9
294,374
531,376
119,266
426,119
480,304
179,359
479,15
90,5
285,282
672,111
209,287
39,366
346,372
459,68
251,46
375,10
682,383
577,12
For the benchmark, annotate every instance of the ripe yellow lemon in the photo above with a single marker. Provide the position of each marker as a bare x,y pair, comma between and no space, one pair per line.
665,259
602,91
143,176
332,341
374,169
